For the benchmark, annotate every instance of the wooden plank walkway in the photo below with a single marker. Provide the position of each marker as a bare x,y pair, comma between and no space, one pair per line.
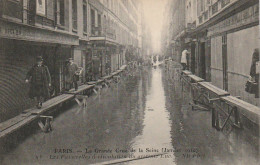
82,88
252,112
195,78
219,92
29,115
186,72
248,110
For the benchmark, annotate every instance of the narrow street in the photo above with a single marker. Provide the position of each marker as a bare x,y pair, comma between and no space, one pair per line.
144,114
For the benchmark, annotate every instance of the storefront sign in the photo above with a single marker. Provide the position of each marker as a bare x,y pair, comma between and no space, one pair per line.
41,7
21,32
245,17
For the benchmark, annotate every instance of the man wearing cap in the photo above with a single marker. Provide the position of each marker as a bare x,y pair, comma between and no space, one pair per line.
72,74
40,80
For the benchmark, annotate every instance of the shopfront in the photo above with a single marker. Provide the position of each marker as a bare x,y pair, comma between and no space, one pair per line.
19,47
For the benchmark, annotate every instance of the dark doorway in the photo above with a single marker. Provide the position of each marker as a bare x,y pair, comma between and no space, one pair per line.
202,64
192,63
208,60
88,65
224,62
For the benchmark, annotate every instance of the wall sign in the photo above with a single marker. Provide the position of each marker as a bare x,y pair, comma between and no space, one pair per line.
41,7
20,32
242,18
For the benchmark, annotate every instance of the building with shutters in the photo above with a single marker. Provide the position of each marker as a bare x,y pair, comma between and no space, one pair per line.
105,30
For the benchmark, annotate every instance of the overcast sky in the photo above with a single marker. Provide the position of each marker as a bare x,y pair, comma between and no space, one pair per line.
153,13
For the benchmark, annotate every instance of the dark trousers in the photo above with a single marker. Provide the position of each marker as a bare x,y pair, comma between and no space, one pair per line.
71,85
39,93
184,66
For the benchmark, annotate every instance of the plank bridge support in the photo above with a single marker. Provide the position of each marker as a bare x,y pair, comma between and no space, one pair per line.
46,126
81,100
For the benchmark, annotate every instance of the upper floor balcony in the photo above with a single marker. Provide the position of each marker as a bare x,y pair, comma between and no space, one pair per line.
213,8
99,33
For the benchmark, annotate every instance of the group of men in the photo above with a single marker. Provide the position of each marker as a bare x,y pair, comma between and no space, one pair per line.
40,79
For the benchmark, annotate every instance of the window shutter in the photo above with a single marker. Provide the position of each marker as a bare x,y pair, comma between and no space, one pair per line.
50,9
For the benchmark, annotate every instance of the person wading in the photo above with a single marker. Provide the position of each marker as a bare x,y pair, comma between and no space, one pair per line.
40,81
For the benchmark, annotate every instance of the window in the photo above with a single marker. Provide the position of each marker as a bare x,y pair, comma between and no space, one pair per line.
224,3
99,24
92,16
12,9
200,19
92,13
74,14
215,8
85,17
99,20
206,15
60,17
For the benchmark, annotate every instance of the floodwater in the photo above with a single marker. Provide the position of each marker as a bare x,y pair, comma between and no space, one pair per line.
144,119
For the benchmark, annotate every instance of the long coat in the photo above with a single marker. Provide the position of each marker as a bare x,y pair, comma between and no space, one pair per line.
255,58
71,73
31,75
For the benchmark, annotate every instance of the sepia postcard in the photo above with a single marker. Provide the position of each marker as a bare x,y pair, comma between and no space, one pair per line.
129,82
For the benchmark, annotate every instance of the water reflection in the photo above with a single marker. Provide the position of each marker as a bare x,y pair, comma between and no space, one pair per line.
191,131
145,112
157,126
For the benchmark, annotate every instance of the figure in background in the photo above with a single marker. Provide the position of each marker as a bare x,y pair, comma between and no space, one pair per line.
184,59
40,81
254,76
72,74
96,68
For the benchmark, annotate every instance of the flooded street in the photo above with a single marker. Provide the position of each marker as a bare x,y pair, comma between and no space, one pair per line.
144,115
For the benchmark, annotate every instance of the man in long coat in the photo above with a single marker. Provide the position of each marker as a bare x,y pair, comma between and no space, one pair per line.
72,74
40,80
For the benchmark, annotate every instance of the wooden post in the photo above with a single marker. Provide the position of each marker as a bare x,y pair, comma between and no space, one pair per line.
213,118
237,118
217,120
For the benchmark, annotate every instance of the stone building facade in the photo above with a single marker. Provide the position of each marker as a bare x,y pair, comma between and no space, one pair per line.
85,30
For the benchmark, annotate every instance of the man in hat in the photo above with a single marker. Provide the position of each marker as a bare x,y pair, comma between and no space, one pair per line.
72,74
40,81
